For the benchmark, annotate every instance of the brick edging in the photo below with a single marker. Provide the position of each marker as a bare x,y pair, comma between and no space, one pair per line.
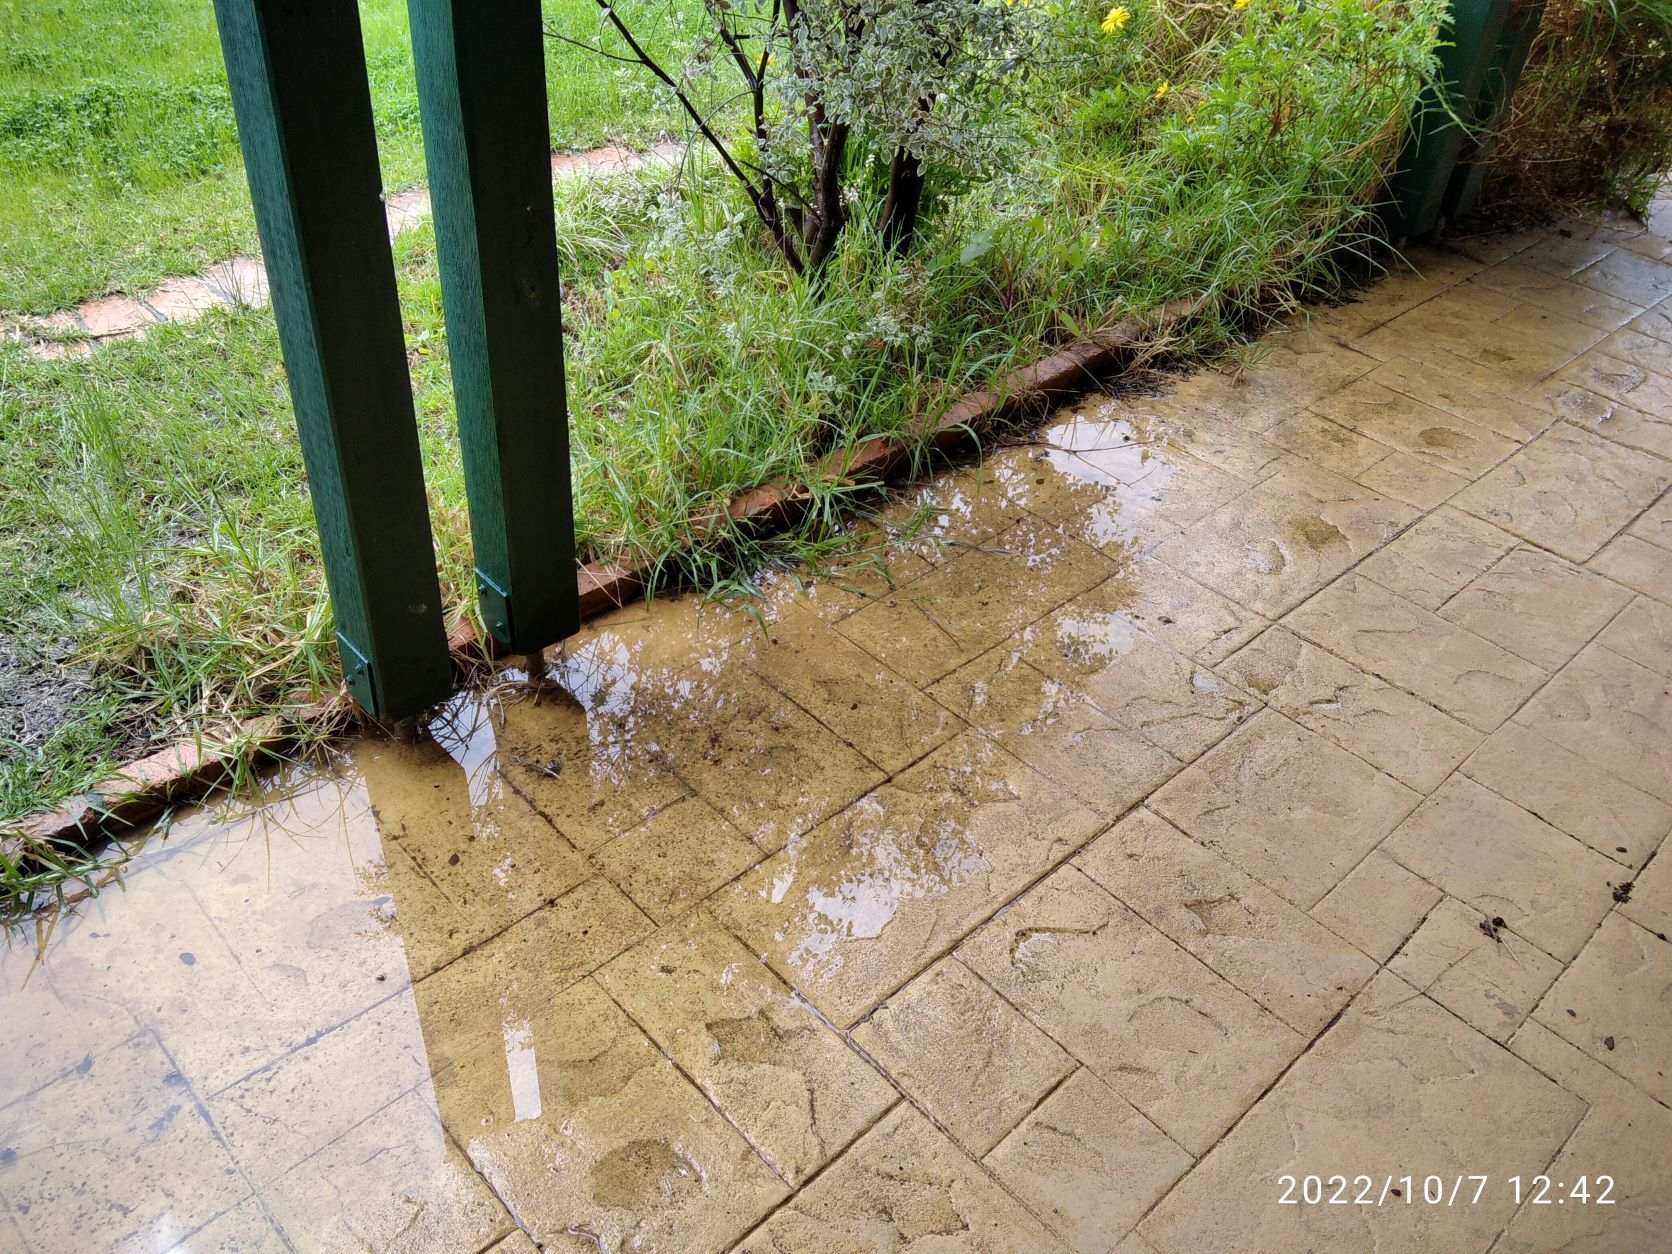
189,770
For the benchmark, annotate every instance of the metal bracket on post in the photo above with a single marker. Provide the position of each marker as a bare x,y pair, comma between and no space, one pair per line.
297,69
482,96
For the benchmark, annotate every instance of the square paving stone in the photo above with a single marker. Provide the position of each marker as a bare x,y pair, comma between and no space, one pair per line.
1286,806
1612,712
1617,990
1188,419
976,600
794,1088
1296,968
1537,606
1286,537
1455,323
954,510
1328,443
1088,1162
1397,640
1146,475
1523,279
1163,1031
1507,864
1626,276
42,1038
284,939
1292,375
1056,730
1566,791
1139,682
471,1007
1432,436
903,1186
1490,981
1392,730
847,690
245,1229
588,749
851,911
1568,491
154,1169
1365,1100
1611,419
1377,906
1655,321
676,858
1637,564
158,960
1154,598
1084,502
769,767
1624,1135
392,1182
601,1134
1644,351
1409,479
492,856
1557,315
1437,557
1457,387
293,1108
963,1053
1627,382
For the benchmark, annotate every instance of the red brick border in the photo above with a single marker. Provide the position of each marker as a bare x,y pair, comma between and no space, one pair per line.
191,769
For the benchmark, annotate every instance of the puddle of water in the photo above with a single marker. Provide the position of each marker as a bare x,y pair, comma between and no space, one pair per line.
370,969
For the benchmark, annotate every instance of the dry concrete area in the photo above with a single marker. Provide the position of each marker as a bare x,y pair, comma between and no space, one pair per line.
1235,824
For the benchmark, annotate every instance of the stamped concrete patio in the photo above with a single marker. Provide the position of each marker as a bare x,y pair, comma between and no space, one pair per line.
1263,779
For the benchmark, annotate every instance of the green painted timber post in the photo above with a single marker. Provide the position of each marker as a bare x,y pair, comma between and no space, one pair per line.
1440,119
1503,73
297,69
482,97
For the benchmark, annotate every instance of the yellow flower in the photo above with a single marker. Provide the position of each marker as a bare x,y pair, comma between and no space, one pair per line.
1240,5
1162,88
1116,18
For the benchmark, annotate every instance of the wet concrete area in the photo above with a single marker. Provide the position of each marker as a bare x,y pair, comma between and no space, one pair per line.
1265,778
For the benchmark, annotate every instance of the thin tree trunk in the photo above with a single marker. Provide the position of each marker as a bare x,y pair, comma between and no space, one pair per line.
904,203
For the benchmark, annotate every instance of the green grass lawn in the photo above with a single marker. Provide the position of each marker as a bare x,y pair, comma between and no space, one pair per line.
119,155
153,514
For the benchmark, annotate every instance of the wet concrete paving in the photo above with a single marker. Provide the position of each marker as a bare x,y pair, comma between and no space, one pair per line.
1263,779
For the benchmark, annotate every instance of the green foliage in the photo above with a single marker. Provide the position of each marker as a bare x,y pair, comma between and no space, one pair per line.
119,157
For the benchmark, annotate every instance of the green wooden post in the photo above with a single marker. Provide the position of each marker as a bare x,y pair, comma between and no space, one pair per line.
298,76
1503,74
482,95
1417,190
